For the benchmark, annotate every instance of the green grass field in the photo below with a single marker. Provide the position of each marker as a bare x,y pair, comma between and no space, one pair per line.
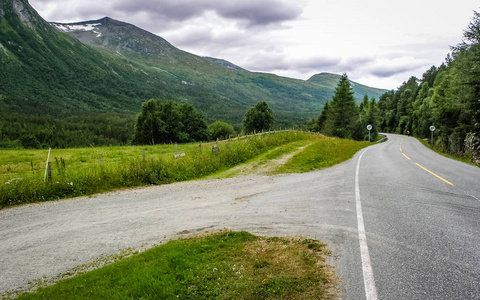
86,171
225,265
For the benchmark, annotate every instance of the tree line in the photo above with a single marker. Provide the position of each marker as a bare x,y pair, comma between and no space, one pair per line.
158,122
447,97
168,122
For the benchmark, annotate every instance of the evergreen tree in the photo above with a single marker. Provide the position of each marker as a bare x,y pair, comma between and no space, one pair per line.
342,111
323,117
258,118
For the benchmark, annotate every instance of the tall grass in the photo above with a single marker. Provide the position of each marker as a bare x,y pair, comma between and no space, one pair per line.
92,177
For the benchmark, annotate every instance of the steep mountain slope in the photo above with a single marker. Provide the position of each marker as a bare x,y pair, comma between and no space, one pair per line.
292,100
44,70
57,76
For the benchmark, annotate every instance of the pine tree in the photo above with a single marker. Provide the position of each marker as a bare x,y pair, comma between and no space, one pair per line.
322,118
343,112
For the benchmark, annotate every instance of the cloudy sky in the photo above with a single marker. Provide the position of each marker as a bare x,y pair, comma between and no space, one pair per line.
376,42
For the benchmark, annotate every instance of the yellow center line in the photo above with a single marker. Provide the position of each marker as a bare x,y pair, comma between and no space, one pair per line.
443,179
435,175
401,151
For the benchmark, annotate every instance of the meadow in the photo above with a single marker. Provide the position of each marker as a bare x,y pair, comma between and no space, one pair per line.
86,171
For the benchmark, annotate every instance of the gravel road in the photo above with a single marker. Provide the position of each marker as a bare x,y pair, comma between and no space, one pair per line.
46,239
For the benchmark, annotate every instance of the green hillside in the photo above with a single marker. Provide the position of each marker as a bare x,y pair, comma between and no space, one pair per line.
82,84
330,81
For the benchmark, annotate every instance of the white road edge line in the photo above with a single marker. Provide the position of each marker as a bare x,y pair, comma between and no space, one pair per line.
368,280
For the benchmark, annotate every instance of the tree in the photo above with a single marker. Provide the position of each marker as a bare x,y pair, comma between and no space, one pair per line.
194,125
219,130
369,115
258,118
168,122
149,125
323,117
342,111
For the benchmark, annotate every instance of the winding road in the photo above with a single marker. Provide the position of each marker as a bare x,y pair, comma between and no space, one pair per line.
402,222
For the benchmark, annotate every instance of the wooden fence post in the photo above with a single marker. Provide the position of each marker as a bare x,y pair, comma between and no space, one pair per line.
49,168
46,167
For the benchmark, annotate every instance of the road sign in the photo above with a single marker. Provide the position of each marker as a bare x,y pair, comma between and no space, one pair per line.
369,127
432,129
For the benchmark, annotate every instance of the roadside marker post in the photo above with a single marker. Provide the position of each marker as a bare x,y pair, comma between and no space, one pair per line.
369,127
432,129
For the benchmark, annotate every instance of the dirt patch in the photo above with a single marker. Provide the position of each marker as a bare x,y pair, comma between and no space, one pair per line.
263,167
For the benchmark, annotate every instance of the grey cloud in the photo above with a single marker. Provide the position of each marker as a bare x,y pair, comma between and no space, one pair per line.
260,12
197,37
254,12
388,70
270,63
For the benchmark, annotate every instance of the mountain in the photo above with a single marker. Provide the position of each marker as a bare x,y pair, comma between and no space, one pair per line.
110,67
291,99
329,80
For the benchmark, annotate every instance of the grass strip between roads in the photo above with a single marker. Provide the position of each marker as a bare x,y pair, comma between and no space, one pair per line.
324,153
223,265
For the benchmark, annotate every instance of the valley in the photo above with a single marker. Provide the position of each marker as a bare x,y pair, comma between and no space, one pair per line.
108,68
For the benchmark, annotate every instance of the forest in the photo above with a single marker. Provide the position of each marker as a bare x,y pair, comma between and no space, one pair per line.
447,97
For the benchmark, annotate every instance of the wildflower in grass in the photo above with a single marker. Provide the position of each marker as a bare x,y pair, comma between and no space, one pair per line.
215,269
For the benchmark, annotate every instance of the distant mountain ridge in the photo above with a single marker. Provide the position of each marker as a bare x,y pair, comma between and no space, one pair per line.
109,66
329,80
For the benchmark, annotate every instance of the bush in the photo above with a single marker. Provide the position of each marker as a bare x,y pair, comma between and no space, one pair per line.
220,130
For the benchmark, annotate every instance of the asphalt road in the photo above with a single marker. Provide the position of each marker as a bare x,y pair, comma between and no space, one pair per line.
423,230
421,234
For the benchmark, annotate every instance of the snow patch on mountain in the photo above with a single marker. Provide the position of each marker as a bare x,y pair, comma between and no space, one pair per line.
78,27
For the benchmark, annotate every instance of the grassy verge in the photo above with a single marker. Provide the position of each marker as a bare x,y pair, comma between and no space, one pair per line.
323,153
317,152
225,265
463,158
78,172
